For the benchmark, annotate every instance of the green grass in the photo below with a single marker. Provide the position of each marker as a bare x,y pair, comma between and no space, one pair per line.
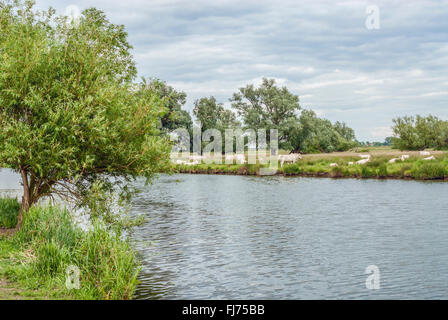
9,210
37,258
378,167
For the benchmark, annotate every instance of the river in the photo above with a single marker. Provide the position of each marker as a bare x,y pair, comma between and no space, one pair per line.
238,237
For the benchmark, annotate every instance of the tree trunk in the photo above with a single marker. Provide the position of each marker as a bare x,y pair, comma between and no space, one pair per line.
26,199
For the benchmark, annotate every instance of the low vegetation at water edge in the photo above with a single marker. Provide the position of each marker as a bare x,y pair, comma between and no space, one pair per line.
9,210
414,167
38,257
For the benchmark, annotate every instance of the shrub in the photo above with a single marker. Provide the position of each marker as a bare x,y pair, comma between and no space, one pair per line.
382,171
290,169
366,172
51,258
336,172
428,170
9,210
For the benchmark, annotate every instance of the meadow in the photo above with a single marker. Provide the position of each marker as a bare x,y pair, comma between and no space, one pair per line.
318,165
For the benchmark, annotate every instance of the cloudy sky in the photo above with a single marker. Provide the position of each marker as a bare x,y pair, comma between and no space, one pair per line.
321,50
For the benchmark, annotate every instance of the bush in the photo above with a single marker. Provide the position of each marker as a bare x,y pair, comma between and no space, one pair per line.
428,170
382,171
366,172
51,258
9,210
290,169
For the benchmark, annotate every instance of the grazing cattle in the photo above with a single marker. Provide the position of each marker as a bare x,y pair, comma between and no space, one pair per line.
239,158
333,164
404,157
351,162
394,159
425,153
363,161
187,163
293,157
365,156
430,158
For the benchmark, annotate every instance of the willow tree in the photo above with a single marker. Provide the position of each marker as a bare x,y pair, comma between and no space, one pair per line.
72,117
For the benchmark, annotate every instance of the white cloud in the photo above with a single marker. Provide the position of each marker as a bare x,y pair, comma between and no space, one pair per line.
321,50
381,132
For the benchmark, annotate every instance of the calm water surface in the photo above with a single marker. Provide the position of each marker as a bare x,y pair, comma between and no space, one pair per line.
235,237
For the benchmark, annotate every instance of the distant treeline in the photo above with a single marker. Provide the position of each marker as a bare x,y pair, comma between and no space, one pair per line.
418,133
387,142
265,107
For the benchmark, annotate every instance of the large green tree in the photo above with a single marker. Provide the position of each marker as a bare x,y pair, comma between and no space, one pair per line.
71,117
174,100
313,134
418,133
266,107
213,115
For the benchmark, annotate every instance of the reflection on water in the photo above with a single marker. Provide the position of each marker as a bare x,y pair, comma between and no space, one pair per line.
234,237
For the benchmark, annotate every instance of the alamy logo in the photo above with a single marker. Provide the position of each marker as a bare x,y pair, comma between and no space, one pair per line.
72,279
240,146
373,17
73,13
373,280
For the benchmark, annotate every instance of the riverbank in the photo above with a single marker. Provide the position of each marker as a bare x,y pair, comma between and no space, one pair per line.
342,165
51,257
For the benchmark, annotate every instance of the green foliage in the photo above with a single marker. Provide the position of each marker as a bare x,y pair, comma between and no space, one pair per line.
418,133
382,170
212,115
173,100
366,172
9,210
51,242
70,114
378,167
50,259
313,135
267,106
271,107
429,170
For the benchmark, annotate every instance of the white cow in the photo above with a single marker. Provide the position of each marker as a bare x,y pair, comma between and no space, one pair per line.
293,157
351,162
333,164
404,157
394,159
239,158
425,153
187,163
363,161
365,156
430,158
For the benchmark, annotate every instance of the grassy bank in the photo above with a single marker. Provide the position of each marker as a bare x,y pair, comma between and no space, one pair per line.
34,261
9,209
318,165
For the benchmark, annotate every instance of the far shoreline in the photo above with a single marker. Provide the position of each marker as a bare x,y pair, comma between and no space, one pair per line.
327,175
405,165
